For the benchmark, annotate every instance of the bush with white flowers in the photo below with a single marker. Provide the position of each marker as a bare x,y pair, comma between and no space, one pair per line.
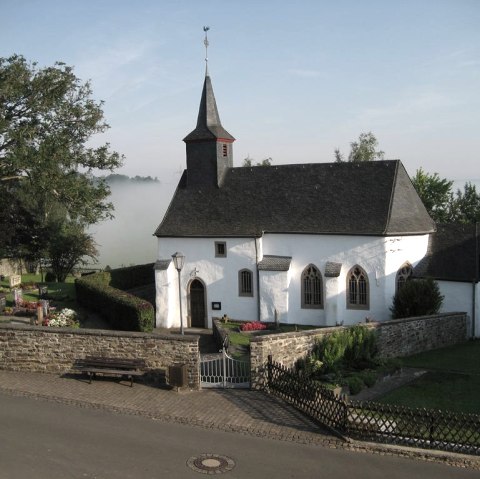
66,318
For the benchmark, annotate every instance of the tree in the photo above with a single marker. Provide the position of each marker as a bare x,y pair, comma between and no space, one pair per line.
365,149
435,194
47,116
250,162
68,247
442,204
465,206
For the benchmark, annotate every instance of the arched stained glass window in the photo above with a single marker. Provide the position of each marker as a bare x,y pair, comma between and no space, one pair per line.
312,288
357,289
403,275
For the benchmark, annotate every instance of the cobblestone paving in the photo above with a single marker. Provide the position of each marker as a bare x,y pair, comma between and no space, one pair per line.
233,410
241,411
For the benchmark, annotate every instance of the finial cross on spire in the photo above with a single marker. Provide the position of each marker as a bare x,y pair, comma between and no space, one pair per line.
205,42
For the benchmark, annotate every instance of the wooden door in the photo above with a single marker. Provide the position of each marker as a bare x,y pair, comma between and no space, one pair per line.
197,304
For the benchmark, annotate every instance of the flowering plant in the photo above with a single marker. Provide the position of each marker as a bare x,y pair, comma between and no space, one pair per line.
253,326
66,318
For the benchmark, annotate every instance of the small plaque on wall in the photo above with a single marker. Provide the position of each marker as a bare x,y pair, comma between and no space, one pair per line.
216,305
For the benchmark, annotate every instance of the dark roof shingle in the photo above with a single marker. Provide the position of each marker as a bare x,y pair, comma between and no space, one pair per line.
370,198
452,254
275,263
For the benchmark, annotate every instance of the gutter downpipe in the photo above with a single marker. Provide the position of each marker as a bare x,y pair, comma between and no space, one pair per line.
258,277
474,282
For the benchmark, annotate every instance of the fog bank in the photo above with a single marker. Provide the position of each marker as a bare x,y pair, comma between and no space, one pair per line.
128,238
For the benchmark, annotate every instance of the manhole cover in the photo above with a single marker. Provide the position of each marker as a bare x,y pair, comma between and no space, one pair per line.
211,463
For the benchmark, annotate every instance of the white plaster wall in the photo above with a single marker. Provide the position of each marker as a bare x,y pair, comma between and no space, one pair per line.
459,297
166,285
371,253
398,251
380,257
334,303
274,290
220,276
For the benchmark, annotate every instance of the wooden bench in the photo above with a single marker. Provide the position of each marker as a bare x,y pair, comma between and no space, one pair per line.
93,365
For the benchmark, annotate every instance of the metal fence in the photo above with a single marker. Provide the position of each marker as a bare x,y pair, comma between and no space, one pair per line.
447,431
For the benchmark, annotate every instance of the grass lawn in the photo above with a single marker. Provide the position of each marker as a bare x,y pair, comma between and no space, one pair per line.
462,357
452,383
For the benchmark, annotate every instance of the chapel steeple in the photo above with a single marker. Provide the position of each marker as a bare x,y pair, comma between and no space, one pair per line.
209,145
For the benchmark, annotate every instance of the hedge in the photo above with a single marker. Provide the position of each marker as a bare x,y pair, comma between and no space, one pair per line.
132,276
122,310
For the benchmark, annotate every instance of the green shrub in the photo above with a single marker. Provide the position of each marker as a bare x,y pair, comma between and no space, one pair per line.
331,350
122,310
132,276
310,366
418,297
355,384
369,377
349,348
361,347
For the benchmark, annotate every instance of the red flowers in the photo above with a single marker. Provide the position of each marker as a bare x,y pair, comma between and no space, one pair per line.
253,326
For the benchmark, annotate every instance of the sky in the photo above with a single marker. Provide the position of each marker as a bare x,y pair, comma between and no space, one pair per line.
293,80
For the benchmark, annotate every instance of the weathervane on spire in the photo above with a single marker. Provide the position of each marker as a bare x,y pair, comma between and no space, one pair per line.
205,42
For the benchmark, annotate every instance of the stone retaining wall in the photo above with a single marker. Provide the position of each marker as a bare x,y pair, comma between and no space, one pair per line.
42,349
404,337
396,338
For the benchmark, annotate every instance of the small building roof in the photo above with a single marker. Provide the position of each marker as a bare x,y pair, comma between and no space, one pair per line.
453,254
275,263
332,270
162,264
369,198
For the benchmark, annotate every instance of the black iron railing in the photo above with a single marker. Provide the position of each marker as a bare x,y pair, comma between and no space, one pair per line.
443,430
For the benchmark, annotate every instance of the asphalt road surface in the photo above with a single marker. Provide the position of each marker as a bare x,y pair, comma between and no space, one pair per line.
42,439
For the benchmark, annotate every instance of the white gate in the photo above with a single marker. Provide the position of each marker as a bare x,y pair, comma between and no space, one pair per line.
222,371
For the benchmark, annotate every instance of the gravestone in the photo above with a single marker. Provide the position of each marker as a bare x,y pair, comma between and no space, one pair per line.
15,280
3,302
18,296
42,291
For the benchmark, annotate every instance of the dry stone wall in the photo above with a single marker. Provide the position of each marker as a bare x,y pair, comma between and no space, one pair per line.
37,348
404,337
396,338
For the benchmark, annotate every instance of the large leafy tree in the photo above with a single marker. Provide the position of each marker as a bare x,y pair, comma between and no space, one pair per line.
443,205
365,149
435,193
47,117
465,206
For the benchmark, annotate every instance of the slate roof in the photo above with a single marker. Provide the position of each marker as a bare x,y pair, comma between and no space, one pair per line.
368,198
162,264
453,254
332,270
275,263
208,126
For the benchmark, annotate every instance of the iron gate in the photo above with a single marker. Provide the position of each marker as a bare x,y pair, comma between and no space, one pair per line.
222,371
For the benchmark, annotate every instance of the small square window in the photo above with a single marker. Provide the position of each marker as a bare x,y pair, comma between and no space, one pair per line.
220,249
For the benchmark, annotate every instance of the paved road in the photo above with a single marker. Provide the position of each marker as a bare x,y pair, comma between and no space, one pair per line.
42,439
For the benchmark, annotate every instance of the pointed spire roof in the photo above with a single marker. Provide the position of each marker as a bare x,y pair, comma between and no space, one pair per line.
208,126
